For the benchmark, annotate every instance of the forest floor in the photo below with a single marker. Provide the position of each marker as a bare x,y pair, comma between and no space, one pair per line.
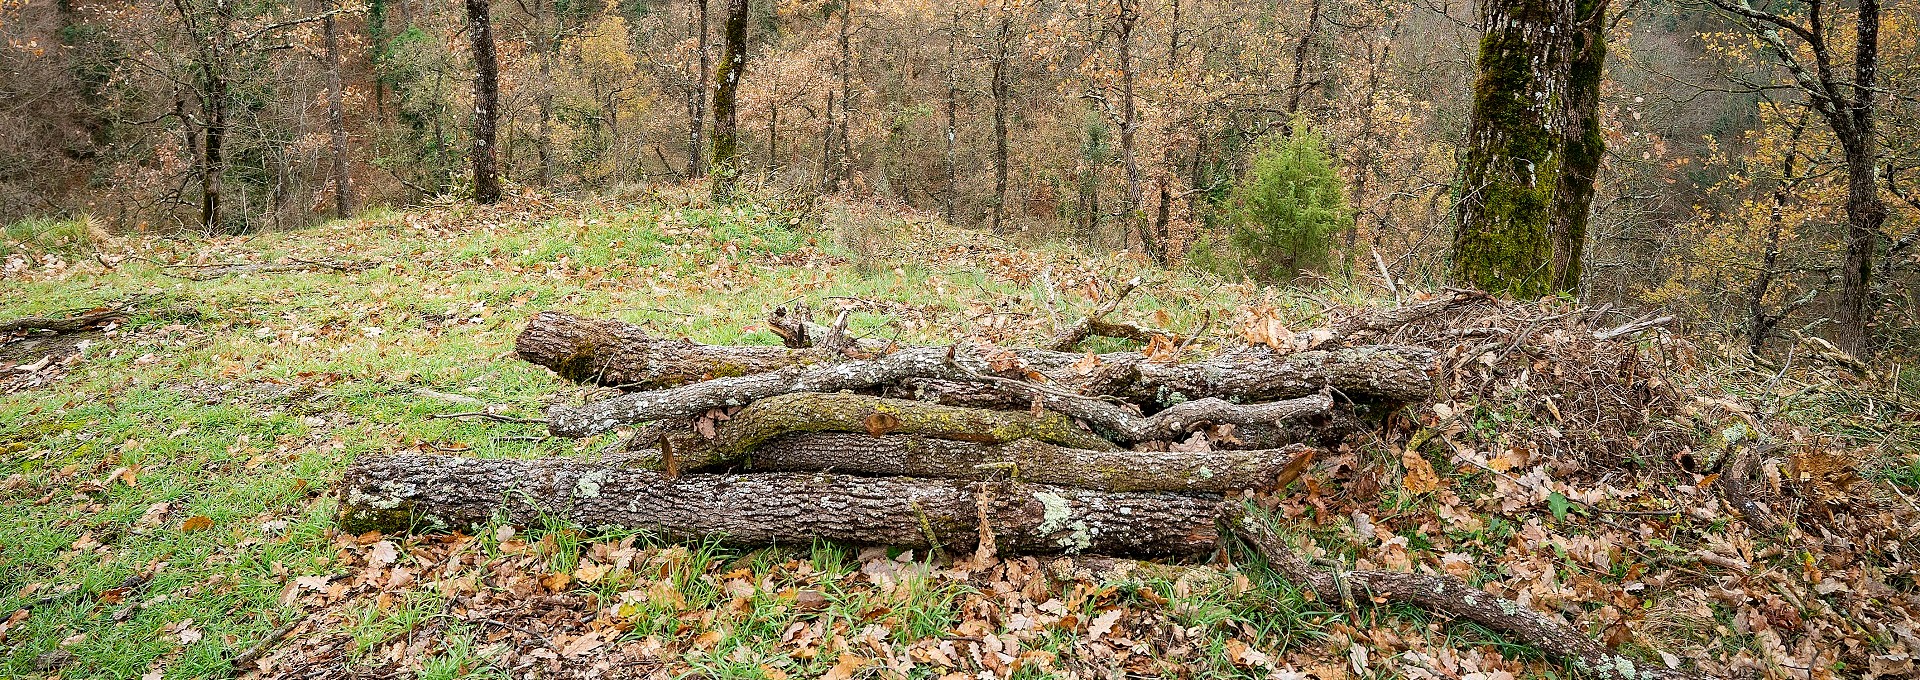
166,508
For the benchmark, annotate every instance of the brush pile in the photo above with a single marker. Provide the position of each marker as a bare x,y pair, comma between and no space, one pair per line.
971,445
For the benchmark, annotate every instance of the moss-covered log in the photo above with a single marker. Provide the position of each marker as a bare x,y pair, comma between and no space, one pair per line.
803,412
1027,460
393,493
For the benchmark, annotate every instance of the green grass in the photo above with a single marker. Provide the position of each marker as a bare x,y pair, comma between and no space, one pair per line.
242,398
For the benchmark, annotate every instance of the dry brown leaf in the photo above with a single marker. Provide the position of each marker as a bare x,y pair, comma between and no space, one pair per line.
197,523
846,667
1420,475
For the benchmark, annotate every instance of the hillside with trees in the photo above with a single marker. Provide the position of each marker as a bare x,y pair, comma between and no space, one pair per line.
990,339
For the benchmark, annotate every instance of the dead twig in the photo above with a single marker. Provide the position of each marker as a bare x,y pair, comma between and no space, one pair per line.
485,416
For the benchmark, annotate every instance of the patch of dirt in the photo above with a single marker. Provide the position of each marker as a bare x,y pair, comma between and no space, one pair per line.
39,361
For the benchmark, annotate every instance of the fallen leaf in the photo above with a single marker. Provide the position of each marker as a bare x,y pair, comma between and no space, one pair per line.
1420,475
382,554
846,667
197,523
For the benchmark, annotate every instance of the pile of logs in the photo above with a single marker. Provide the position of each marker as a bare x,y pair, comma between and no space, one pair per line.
960,447
946,447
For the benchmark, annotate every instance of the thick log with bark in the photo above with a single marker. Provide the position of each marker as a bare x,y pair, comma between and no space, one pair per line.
803,412
392,493
615,353
1448,596
1027,460
609,352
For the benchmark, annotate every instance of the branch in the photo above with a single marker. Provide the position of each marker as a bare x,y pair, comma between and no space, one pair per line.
1451,597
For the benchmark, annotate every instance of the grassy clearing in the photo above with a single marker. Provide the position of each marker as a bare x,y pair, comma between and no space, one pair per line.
166,500
239,399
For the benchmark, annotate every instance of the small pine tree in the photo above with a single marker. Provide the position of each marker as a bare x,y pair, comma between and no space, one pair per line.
1287,208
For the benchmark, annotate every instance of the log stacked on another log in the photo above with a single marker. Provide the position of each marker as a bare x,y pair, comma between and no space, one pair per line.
962,446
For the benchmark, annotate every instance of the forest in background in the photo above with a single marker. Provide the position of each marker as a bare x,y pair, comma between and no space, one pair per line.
1116,124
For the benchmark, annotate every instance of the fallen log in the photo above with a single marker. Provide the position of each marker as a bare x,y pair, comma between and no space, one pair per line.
396,493
686,400
1027,460
1378,371
803,412
1449,596
614,353
70,324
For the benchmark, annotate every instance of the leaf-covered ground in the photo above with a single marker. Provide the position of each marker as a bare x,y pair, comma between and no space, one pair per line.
165,510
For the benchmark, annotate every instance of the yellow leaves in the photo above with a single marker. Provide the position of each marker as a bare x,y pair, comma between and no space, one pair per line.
196,523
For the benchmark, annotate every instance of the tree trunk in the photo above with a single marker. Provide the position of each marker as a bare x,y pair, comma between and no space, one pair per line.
450,493
1003,44
843,170
1866,213
697,97
1300,50
953,117
549,40
1027,460
1525,114
733,66
336,116
1760,323
1584,148
1129,15
1377,372
609,352
486,101
212,161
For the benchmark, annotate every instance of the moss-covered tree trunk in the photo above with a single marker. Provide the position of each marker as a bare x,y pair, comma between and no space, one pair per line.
1533,146
733,64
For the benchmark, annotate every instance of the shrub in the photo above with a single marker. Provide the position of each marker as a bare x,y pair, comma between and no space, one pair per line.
1285,210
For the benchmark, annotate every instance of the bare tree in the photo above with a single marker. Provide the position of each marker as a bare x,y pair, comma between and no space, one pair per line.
486,101
1847,105
336,115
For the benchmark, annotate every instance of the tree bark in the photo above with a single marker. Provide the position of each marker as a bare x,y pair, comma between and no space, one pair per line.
1448,596
1532,146
1582,146
486,101
1027,460
213,162
614,353
999,86
843,170
394,493
1129,15
1376,372
697,96
1300,50
336,115
797,413
733,65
